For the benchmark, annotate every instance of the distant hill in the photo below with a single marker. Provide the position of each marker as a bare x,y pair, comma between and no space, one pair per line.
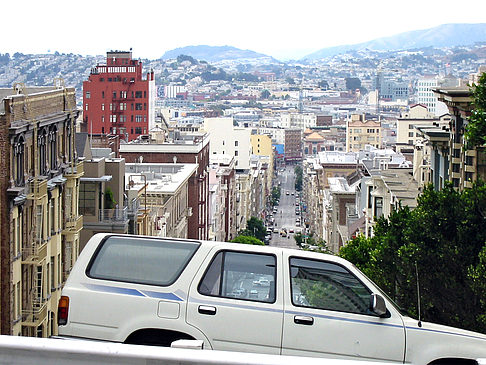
446,35
215,53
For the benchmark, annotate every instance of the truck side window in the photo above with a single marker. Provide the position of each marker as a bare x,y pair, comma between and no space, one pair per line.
140,260
240,275
325,285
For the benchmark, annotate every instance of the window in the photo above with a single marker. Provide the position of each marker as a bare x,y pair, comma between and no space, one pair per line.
410,134
103,94
138,106
102,106
236,153
42,151
378,207
141,260
88,95
145,94
241,275
236,143
52,142
87,198
325,285
18,153
138,94
138,130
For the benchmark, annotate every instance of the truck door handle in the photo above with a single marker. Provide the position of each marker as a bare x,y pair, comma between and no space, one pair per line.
206,309
308,321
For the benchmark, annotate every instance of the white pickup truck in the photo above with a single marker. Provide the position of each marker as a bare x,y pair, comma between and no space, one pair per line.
146,290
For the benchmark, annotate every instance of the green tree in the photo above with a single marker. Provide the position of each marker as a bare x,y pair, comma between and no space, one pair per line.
353,83
265,94
248,240
475,130
275,195
254,228
442,240
110,201
298,177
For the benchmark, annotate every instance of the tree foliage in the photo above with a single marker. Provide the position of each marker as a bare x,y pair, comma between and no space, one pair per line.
443,241
248,240
254,228
275,195
353,83
475,130
298,177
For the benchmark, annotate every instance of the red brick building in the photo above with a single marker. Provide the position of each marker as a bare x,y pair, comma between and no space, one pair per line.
117,100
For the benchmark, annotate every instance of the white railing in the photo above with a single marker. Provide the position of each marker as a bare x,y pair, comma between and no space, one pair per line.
49,351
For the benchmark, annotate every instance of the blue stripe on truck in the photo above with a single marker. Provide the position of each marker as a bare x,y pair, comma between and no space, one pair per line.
133,292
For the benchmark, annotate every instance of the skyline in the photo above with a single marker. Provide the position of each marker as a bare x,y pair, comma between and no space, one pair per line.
270,27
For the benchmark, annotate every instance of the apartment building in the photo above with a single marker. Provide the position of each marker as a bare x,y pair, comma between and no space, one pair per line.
158,195
465,165
293,145
39,213
339,207
227,139
301,121
180,148
361,132
101,191
390,188
262,146
418,115
222,197
117,99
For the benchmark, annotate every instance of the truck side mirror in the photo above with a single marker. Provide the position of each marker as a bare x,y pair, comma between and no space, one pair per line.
377,304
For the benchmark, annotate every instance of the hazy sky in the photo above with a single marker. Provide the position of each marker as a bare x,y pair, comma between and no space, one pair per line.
280,28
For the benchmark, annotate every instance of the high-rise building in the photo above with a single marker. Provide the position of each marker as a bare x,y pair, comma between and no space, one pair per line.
117,100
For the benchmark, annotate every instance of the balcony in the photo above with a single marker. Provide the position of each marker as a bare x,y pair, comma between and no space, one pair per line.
73,224
34,254
34,316
113,215
75,171
36,189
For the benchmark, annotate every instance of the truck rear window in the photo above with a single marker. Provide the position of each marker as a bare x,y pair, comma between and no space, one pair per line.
141,260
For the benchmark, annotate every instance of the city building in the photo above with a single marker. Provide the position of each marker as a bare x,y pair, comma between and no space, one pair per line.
222,196
185,148
117,99
313,143
158,198
101,191
262,146
361,132
39,213
425,93
418,115
226,139
466,165
293,145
